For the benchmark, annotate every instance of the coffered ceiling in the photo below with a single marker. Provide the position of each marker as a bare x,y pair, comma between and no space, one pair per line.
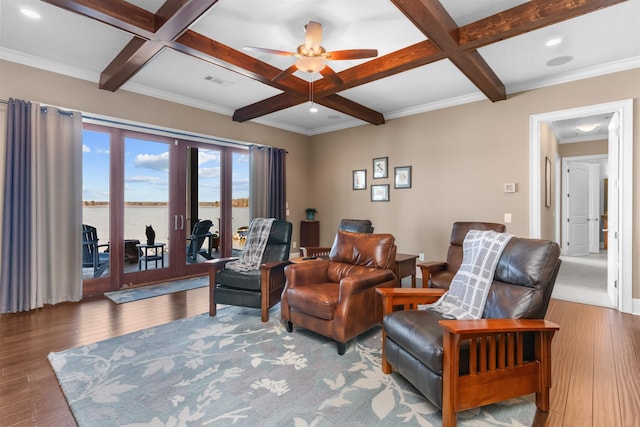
431,54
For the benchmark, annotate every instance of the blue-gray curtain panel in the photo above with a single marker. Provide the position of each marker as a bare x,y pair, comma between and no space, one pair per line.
267,192
15,271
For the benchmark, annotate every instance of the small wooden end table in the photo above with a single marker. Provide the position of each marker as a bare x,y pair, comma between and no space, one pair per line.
406,266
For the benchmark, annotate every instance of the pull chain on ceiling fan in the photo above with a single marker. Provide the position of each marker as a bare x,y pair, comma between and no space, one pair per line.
312,56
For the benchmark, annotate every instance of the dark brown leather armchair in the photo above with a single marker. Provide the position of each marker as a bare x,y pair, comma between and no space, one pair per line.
337,297
438,274
353,225
463,364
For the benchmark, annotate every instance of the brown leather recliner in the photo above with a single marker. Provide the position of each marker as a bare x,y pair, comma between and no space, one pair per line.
353,225
463,364
337,297
438,274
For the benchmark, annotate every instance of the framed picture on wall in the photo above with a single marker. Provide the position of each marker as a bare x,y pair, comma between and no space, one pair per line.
402,177
380,193
380,167
360,179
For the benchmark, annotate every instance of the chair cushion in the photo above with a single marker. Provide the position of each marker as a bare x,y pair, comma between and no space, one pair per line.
365,249
246,280
418,332
441,279
318,300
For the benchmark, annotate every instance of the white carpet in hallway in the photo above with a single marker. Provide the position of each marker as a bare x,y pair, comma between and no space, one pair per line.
583,279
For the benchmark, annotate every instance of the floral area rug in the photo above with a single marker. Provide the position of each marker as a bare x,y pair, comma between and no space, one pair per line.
233,369
144,292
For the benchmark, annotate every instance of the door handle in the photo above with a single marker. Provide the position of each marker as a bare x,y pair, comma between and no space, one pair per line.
181,222
175,222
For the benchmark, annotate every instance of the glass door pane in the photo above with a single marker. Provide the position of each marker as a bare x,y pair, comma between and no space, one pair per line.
203,204
96,148
240,199
146,205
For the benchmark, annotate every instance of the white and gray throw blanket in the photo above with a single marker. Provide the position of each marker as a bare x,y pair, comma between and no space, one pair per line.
469,288
257,237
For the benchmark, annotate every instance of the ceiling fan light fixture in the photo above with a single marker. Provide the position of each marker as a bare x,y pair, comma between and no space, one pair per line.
312,107
310,64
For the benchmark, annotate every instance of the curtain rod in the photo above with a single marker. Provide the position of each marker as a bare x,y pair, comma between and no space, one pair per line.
167,131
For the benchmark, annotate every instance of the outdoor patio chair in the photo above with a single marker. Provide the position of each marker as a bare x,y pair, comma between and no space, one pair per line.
91,255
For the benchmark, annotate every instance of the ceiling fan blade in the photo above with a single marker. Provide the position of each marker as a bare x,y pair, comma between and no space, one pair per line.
313,37
351,54
329,74
270,51
284,73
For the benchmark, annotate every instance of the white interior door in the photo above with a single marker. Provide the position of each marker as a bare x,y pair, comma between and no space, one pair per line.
577,194
594,208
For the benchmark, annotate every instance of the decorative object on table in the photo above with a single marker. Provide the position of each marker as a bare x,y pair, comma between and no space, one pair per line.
380,167
360,179
311,213
196,367
151,235
380,193
402,177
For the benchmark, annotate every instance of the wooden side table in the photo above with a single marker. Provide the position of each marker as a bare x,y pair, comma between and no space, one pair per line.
406,266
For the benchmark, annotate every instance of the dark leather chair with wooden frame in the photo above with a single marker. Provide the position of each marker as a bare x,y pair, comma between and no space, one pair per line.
463,364
438,274
353,225
337,297
259,288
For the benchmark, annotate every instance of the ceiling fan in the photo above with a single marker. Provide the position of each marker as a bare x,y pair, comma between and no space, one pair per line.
311,55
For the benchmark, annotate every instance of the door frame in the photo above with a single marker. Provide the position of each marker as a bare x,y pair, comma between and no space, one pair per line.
624,262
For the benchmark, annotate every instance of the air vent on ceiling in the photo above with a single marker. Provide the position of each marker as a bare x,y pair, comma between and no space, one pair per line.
218,81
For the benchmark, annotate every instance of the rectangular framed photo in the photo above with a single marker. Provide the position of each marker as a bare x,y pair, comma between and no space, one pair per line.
380,193
380,167
360,179
402,177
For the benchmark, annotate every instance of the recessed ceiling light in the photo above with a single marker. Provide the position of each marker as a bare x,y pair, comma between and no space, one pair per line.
553,42
30,13
587,127
560,60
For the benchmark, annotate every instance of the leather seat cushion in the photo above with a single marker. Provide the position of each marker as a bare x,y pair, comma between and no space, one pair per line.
418,332
246,280
319,300
441,279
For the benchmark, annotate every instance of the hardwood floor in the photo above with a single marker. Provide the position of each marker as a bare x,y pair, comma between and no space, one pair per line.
596,357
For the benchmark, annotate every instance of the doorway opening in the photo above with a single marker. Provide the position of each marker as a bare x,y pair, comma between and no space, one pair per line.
620,185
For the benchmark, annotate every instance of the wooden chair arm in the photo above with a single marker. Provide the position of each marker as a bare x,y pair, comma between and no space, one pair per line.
274,265
489,326
408,298
315,251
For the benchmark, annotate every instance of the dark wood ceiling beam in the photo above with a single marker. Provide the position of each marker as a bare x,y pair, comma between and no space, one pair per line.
287,100
175,16
128,62
526,17
430,17
117,13
351,108
216,53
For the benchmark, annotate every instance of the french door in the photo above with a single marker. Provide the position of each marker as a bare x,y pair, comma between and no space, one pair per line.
146,193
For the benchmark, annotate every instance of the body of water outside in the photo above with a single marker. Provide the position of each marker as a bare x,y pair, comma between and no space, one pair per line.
138,217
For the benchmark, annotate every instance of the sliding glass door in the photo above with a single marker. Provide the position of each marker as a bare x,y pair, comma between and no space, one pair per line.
162,206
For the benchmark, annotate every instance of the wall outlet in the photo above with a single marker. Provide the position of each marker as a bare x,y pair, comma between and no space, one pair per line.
294,245
507,218
421,257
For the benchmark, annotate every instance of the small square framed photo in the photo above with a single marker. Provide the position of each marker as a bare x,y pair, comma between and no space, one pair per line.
360,179
380,193
380,167
402,177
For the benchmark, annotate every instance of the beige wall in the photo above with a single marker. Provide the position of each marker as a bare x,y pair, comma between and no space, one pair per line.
548,150
461,156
